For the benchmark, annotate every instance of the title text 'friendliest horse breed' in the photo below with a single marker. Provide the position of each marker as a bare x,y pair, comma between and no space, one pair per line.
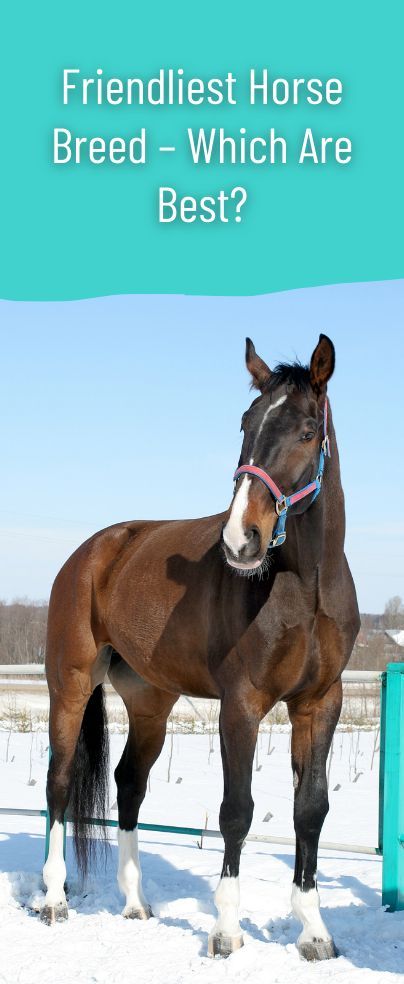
251,606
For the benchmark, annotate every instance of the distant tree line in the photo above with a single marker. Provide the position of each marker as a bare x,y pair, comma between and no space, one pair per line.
23,634
23,631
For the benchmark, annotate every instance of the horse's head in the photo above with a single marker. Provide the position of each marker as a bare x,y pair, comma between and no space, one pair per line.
283,433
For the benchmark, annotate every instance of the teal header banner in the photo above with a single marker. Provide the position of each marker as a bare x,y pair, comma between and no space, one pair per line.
108,186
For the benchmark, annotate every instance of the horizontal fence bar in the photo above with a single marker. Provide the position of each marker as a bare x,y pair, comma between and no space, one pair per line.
361,676
38,669
202,832
10,683
13,811
22,669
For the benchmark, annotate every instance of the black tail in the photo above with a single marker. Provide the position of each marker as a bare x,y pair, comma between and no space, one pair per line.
89,793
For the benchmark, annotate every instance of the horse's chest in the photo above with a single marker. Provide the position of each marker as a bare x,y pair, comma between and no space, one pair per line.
285,658
278,657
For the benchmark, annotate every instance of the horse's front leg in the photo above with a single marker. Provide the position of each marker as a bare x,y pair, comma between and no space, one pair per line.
313,725
238,735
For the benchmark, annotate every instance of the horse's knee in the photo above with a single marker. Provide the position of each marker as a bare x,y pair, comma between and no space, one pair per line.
310,809
235,818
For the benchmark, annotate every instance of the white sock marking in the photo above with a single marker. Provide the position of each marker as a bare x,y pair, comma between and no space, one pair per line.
227,901
54,872
129,872
233,533
306,907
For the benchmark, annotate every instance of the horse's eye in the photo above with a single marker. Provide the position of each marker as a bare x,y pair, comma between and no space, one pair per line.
308,436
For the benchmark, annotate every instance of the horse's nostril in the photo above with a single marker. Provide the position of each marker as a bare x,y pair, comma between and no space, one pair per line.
253,544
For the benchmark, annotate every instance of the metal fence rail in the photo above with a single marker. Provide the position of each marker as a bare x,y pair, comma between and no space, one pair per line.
203,832
38,670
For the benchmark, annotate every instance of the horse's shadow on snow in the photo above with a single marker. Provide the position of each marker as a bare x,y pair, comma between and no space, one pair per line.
165,885
371,897
351,925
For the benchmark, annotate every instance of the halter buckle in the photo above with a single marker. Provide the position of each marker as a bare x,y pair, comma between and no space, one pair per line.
278,540
281,506
325,444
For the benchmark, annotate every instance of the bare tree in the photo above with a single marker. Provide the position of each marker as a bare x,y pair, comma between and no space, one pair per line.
393,617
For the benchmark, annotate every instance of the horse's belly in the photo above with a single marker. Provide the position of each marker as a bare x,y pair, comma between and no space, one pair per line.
168,661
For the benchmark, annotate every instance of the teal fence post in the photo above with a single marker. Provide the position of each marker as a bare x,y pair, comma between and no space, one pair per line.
47,835
391,825
382,756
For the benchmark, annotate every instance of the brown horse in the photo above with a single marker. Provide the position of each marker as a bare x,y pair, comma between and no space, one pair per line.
163,609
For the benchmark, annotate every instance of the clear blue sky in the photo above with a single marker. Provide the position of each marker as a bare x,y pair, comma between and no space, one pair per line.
129,407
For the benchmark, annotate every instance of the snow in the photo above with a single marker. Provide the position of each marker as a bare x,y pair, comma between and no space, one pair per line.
397,635
179,880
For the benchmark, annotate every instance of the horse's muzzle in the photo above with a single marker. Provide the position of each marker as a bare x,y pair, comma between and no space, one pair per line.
251,555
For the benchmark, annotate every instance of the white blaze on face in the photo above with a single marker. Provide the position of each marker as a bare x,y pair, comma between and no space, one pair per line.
233,533
272,406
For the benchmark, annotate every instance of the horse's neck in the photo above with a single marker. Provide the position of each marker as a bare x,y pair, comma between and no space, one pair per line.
315,540
333,501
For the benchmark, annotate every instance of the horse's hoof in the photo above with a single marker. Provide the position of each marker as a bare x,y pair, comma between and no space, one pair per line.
145,912
317,950
51,914
220,945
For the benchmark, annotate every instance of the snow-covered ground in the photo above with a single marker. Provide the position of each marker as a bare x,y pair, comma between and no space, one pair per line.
98,945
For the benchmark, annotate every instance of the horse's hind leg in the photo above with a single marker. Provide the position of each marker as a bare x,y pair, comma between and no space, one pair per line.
71,686
312,731
148,709
64,729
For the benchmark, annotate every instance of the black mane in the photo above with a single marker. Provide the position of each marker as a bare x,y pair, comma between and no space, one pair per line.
290,374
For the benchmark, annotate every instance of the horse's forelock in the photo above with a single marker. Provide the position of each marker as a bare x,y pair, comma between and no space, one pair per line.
289,374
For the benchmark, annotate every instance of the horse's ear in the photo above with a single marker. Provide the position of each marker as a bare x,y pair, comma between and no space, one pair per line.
322,363
259,370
